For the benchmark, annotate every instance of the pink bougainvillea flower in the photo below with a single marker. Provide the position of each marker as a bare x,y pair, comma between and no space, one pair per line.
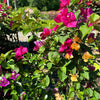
69,20
0,70
0,6
4,14
45,33
5,1
14,75
19,52
9,7
4,82
38,44
64,3
89,3
55,28
92,68
22,95
66,47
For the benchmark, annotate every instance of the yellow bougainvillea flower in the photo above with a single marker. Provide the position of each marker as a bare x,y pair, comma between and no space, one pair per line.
75,46
67,56
58,96
77,39
86,56
90,40
74,77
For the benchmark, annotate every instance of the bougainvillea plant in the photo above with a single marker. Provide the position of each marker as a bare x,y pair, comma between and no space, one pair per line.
64,66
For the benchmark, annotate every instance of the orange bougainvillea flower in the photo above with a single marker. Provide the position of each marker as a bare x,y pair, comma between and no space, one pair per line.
90,40
86,56
74,77
77,39
67,56
58,96
75,46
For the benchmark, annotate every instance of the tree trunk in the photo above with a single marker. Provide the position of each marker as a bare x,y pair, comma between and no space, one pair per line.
15,4
7,2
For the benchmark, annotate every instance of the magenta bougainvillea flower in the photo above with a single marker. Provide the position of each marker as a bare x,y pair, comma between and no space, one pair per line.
45,33
92,68
11,23
0,70
14,75
38,44
19,52
64,3
0,6
62,12
89,2
86,13
4,14
66,47
5,1
68,19
55,28
4,82
88,85
99,49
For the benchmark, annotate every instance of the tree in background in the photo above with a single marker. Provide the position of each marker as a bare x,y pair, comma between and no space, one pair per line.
44,5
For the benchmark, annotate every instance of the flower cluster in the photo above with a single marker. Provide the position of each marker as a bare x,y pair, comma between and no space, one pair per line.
4,82
19,52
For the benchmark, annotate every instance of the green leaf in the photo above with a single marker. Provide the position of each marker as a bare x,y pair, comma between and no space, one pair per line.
85,75
8,75
94,17
80,95
74,1
54,57
77,85
62,39
89,92
13,92
73,71
42,49
71,94
30,38
14,97
85,30
11,64
49,65
62,76
5,91
71,89
16,69
85,68
63,69
17,18
26,30
67,63
96,95
46,81
77,13
6,54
